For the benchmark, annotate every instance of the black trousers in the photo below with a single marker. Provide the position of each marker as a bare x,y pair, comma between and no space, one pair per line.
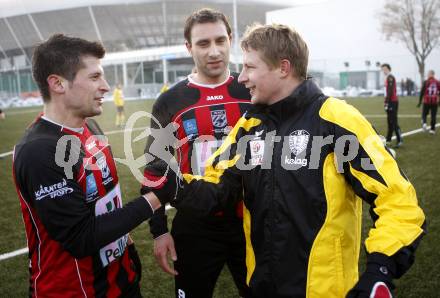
393,125
425,112
203,248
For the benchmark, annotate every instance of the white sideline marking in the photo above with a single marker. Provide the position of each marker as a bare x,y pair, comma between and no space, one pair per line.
6,154
111,132
412,132
14,253
168,207
25,250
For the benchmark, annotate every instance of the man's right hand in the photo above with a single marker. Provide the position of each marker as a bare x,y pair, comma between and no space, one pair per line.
164,249
162,181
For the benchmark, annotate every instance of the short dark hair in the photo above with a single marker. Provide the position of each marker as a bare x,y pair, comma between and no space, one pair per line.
202,16
386,65
61,55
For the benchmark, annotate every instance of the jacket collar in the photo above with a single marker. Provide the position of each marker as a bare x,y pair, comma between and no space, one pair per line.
303,95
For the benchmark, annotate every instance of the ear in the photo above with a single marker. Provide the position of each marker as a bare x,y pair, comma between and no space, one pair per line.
285,68
57,84
188,47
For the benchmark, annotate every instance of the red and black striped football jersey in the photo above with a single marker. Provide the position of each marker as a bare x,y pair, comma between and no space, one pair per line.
390,88
76,226
430,91
205,114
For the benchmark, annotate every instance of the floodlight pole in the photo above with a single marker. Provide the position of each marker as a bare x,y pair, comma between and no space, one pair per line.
95,24
235,37
16,40
3,52
37,30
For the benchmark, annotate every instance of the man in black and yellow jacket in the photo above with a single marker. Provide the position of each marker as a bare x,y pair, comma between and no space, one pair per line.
302,162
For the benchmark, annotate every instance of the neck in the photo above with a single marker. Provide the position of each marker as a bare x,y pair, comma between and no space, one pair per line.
202,79
285,89
59,114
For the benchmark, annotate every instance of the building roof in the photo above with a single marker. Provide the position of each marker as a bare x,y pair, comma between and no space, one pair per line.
119,25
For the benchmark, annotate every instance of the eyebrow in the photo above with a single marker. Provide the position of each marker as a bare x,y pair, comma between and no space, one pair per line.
208,39
96,73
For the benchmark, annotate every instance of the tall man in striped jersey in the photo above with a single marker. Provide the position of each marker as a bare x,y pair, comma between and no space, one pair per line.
391,106
303,183
66,179
205,106
430,95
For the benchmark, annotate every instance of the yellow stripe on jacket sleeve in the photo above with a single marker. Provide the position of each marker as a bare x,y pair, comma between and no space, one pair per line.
400,217
250,255
213,172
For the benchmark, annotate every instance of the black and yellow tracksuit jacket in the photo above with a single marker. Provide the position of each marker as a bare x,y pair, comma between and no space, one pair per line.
303,213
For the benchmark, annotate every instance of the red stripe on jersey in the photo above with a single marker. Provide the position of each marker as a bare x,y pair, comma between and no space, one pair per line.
128,265
34,242
85,272
204,122
233,114
52,256
183,152
113,290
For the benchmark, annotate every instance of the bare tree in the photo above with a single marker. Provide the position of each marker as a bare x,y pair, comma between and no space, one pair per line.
416,23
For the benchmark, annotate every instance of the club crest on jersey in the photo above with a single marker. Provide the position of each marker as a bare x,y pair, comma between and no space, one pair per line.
105,170
219,119
298,141
102,164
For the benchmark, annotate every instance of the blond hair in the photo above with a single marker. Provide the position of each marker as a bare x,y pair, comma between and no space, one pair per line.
277,42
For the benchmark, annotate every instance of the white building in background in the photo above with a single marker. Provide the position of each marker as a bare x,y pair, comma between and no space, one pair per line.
145,46
339,31
143,38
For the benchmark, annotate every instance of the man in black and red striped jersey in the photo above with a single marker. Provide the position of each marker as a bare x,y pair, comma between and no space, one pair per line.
206,105
66,179
391,106
430,94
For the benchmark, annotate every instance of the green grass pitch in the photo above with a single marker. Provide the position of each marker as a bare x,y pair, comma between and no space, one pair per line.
419,158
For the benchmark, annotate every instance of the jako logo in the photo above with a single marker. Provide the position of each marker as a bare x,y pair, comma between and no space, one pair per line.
214,97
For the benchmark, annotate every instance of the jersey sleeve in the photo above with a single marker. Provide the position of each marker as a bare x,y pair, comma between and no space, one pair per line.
161,118
60,203
376,178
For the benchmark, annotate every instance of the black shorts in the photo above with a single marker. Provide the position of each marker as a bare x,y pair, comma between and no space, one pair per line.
203,247
120,109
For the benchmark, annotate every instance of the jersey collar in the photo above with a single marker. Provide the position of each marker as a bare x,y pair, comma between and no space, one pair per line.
228,79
